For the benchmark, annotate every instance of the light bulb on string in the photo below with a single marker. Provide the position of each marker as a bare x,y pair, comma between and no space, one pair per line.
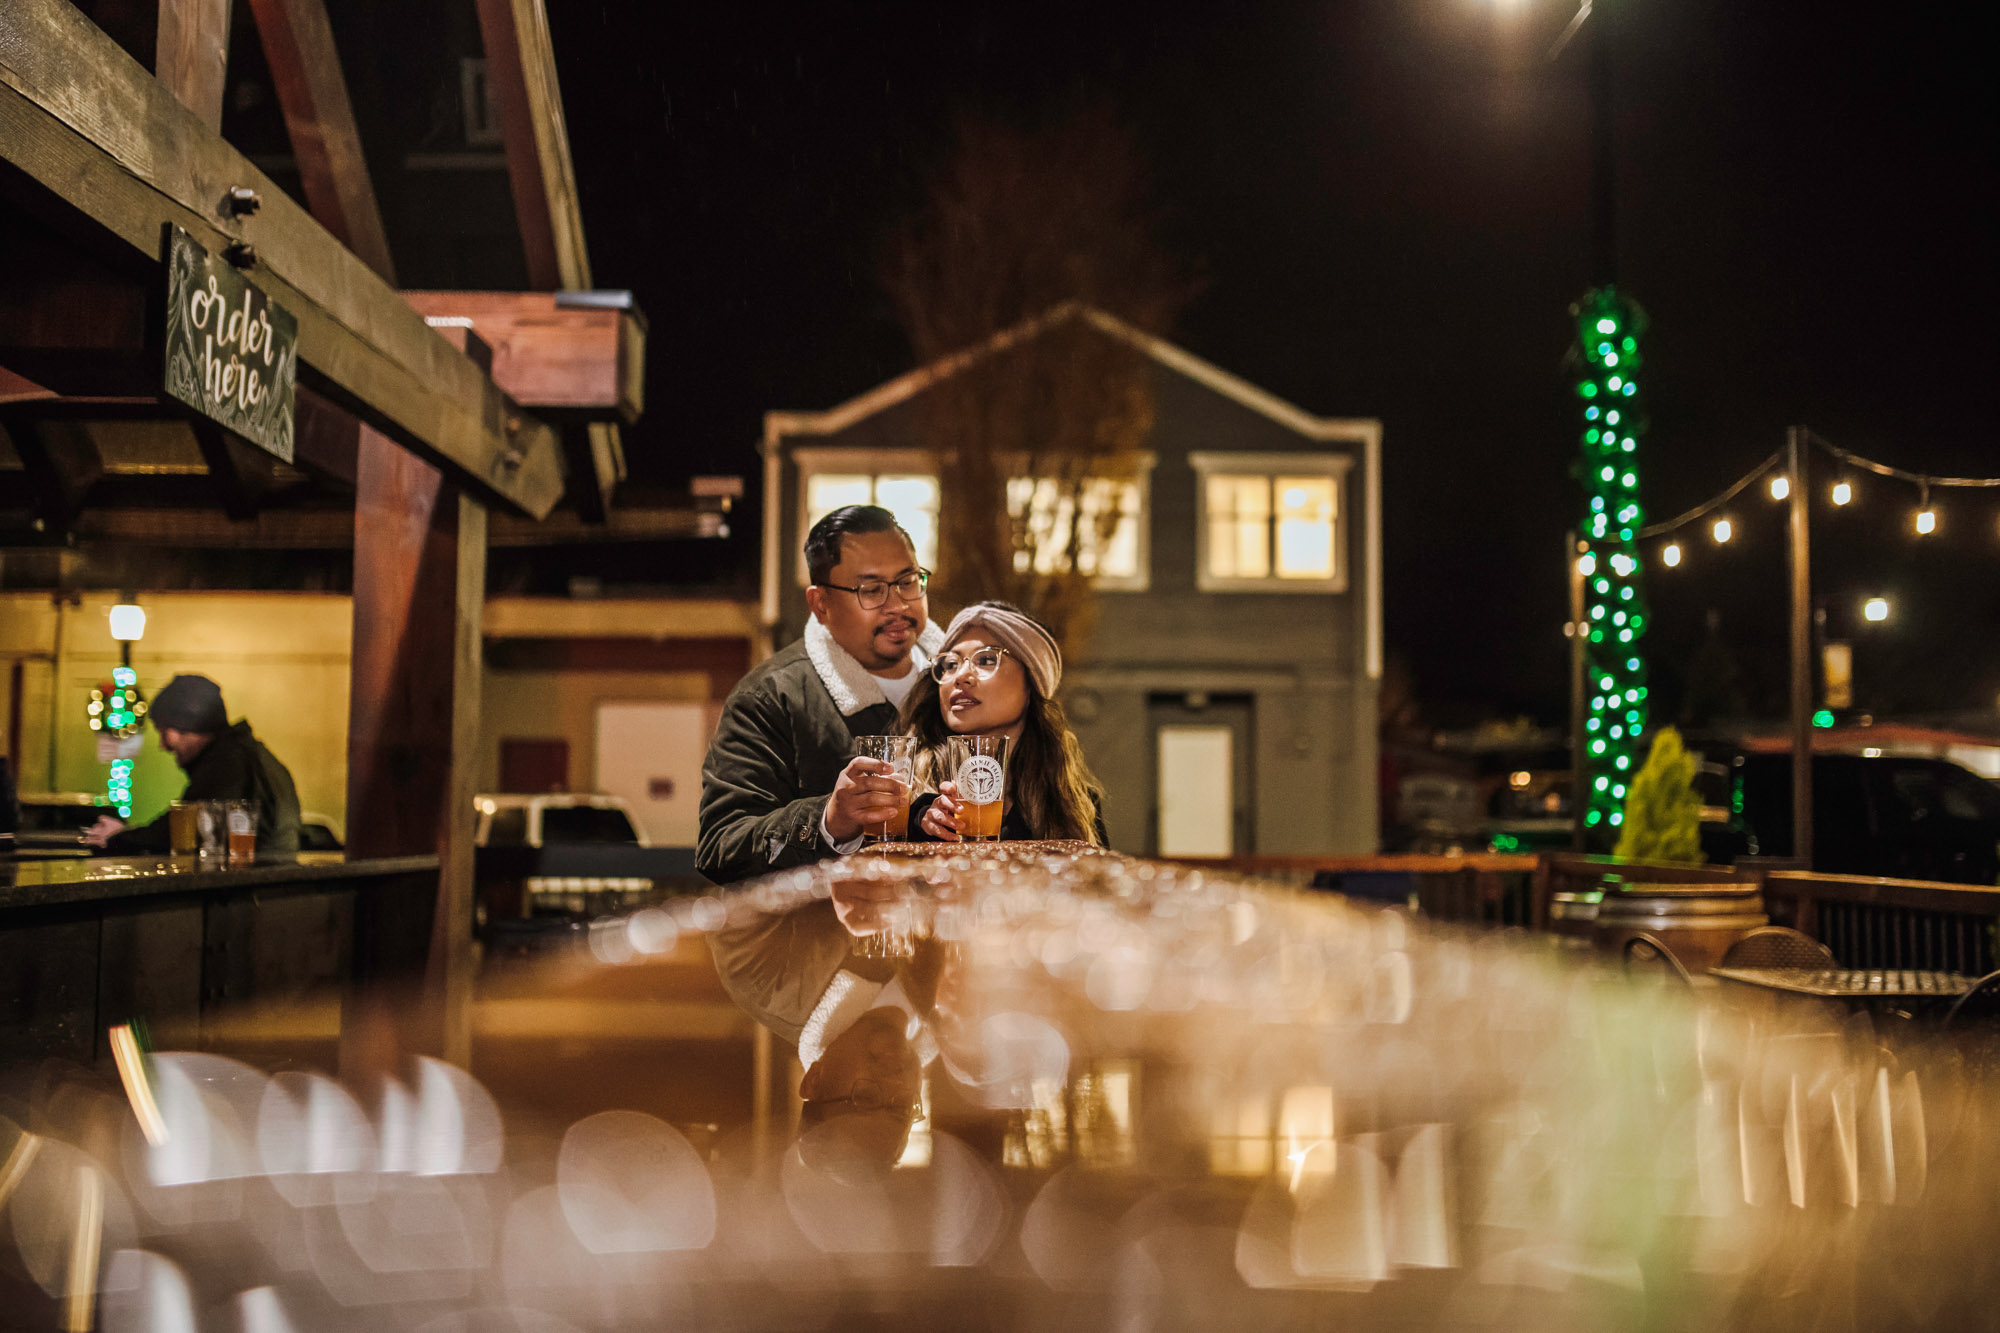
1671,556
1723,530
1842,492
1926,522
1875,609
1781,486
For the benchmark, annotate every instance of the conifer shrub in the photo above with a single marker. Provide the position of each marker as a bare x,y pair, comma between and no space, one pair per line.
1663,811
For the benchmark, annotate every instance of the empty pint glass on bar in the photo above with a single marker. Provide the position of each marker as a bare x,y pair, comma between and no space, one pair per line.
978,764
897,752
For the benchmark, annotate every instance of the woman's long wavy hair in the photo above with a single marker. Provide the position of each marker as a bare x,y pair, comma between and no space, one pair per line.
1052,788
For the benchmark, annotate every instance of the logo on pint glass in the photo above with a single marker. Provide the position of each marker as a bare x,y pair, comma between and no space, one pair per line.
980,780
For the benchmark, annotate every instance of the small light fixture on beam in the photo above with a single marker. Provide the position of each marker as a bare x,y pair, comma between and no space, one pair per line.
128,622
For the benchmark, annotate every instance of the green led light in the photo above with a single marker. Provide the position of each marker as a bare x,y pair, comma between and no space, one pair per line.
1823,718
1593,817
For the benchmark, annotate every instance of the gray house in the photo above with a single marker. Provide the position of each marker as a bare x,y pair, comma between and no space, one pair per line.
1227,697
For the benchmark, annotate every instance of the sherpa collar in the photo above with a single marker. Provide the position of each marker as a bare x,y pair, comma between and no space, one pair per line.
852,688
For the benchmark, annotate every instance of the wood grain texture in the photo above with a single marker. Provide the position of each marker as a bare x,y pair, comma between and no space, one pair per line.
84,122
192,59
578,363
319,118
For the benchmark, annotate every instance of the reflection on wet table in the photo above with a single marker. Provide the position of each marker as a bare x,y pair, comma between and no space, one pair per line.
1159,1098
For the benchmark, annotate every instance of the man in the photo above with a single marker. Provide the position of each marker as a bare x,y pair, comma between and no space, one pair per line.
780,787
222,763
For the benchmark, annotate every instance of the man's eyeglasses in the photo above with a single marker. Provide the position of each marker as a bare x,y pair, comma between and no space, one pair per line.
871,1096
874,593
984,663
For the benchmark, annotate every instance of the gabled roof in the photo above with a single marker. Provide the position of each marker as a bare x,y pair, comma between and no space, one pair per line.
1233,387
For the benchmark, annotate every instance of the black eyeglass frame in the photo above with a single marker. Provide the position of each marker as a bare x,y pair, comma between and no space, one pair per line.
922,576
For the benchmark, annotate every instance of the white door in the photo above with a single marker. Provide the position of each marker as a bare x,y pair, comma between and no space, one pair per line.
650,754
1197,805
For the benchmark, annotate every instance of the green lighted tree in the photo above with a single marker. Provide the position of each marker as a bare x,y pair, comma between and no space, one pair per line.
1663,814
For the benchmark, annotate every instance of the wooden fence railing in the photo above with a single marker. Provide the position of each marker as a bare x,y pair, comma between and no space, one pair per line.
1886,923
1890,922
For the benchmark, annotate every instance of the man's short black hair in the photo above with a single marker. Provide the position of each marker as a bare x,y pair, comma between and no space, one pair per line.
824,542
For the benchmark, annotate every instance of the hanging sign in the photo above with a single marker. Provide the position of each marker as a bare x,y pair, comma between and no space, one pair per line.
231,351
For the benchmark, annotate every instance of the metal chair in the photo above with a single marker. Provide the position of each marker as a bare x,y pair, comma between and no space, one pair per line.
1980,1004
1779,946
1649,954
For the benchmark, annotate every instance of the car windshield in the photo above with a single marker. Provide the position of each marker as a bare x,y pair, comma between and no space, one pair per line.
585,823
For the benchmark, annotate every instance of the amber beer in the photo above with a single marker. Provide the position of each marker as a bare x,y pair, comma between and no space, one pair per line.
184,827
241,818
899,753
979,768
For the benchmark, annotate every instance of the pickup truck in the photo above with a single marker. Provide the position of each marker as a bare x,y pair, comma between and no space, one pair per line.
568,854
1897,816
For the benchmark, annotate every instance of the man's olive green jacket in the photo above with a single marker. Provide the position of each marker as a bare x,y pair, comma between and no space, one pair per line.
787,730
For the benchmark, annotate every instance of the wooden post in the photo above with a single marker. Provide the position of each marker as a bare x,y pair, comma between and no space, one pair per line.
419,587
1802,667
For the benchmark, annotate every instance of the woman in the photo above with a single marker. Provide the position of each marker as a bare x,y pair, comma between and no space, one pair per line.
996,675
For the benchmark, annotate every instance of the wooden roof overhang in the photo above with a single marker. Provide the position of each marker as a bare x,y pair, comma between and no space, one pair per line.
97,156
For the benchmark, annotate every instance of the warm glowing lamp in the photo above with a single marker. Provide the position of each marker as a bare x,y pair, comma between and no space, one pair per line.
1723,530
1672,555
1842,492
1876,609
128,622
1926,521
1780,487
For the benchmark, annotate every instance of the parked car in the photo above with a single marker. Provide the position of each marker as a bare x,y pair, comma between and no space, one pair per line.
1895,816
568,854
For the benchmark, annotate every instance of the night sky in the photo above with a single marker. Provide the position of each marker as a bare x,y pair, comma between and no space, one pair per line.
1388,207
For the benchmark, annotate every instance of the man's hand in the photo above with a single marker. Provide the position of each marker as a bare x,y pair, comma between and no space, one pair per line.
941,819
863,796
100,832
863,905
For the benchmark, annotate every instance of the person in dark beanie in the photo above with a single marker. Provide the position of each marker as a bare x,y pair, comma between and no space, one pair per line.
222,763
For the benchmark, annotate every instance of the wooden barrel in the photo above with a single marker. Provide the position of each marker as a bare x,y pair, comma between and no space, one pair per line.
1698,922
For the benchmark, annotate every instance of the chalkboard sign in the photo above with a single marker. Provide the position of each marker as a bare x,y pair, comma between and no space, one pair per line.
232,352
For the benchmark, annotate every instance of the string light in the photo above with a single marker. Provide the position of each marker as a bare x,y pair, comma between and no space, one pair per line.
1842,492
1926,522
1671,556
1781,486
1723,531
1875,609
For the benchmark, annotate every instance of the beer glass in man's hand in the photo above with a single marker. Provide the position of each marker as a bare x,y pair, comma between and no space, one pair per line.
898,753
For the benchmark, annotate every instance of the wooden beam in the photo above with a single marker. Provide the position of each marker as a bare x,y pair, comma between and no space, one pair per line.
555,356
204,527
83,122
419,581
521,71
193,55
240,473
59,462
305,65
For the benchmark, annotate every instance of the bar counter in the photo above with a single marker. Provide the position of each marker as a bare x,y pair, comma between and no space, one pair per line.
88,942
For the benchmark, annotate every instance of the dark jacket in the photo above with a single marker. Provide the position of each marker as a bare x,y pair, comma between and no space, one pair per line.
1012,826
778,751
234,766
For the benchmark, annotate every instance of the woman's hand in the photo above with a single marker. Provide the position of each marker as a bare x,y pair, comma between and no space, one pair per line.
941,819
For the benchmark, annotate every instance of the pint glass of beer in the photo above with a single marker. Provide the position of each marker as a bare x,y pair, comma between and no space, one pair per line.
184,827
241,817
978,764
897,752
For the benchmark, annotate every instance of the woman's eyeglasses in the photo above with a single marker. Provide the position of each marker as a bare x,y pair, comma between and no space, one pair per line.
984,663
874,593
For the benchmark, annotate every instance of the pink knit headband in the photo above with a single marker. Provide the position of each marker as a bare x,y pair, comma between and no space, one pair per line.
1021,635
